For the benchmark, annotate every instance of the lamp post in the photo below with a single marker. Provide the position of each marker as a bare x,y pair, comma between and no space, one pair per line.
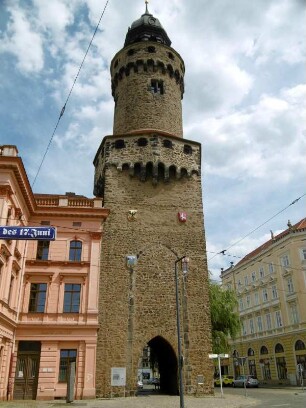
179,348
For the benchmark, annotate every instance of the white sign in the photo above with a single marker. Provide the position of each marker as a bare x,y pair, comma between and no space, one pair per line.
224,355
213,355
118,377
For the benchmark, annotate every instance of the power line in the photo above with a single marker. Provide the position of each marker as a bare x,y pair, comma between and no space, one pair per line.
68,97
255,229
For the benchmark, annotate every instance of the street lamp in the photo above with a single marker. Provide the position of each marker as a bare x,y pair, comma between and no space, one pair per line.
179,348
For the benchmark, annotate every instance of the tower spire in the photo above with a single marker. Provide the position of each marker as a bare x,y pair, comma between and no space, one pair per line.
147,11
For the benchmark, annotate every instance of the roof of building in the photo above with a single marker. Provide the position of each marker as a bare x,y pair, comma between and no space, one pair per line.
147,28
299,226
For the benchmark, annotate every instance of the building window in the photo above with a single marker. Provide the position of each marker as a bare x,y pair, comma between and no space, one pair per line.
11,289
259,323
151,49
253,276
119,144
251,326
299,345
141,142
38,297
264,350
290,285
66,357
248,300
274,292
294,314
256,298
285,261
239,284
271,268
261,272
72,298
42,250
265,295
279,348
269,321
157,87
243,328
170,55
303,254
187,149
278,318
75,251
246,280
241,304
167,143
281,368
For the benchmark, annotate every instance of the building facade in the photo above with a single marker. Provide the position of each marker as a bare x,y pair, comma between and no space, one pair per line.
49,289
150,178
270,283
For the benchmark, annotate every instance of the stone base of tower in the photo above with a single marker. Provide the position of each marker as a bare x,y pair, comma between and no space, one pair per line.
147,179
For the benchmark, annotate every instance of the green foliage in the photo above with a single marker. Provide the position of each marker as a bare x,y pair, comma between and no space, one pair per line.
224,317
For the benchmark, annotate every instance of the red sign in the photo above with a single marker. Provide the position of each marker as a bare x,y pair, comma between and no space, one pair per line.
182,216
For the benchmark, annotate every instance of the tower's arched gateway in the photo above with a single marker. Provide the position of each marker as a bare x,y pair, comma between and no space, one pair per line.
150,179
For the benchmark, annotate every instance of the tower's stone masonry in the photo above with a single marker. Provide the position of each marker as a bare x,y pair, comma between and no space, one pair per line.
136,107
147,173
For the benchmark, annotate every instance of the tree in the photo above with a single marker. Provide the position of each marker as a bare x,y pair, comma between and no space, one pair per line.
224,317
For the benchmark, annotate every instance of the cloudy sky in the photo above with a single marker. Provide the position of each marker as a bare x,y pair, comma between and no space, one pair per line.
244,101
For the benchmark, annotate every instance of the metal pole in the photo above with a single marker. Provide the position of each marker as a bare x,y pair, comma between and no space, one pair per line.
220,375
179,350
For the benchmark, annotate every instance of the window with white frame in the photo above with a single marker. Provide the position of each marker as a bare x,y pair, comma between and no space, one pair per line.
246,280
253,276
239,284
248,300
261,272
240,304
278,319
256,298
265,297
290,287
251,326
243,328
285,261
268,321
274,292
303,254
271,267
294,314
259,323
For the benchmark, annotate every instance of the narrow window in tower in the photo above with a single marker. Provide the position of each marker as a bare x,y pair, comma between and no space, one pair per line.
119,144
131,52
157,87
151,49
187,149
171,56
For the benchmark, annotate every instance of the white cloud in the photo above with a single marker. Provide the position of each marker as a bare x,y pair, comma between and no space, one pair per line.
21,40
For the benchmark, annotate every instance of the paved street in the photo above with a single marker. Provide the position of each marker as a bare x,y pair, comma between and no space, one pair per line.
290,397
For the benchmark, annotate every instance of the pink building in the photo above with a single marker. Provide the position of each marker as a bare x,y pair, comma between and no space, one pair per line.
48,289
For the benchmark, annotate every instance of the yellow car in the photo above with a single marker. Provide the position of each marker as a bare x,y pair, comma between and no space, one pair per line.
227,380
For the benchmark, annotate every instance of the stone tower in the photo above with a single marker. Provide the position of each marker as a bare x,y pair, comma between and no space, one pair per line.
150,179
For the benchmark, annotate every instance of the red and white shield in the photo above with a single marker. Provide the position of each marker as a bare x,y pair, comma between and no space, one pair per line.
182,216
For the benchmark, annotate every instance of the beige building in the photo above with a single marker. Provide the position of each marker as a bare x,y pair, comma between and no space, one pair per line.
49,289
270,283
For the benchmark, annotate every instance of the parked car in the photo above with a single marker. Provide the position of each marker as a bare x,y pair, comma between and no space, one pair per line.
248,380
140,384
226,380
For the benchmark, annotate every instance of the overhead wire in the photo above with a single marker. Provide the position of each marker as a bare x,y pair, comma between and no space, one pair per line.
255,229
69,94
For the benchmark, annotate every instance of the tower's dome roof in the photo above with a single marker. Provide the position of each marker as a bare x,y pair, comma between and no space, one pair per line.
147,28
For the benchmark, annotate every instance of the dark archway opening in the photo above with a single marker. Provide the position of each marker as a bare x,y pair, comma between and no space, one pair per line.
166,361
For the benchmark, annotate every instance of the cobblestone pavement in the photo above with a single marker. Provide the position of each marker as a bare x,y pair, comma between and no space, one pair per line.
149,401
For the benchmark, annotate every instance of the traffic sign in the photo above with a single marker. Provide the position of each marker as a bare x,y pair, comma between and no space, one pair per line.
28,233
